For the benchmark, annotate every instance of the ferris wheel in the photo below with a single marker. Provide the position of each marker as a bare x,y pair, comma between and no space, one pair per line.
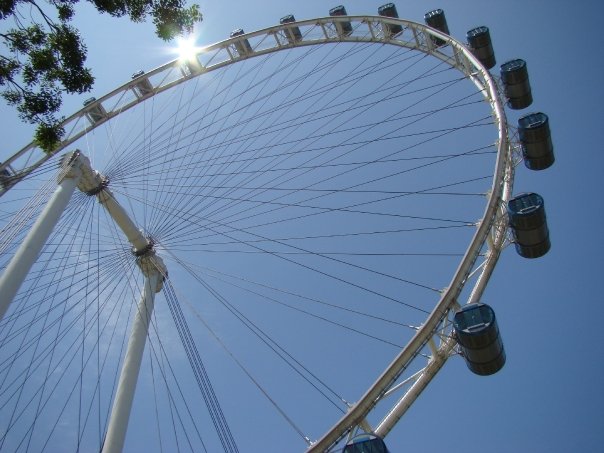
297,222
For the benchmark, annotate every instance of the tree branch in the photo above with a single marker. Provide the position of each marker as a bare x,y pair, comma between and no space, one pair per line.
47,19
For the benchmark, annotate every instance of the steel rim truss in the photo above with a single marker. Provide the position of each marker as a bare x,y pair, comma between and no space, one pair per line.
365,29
436,332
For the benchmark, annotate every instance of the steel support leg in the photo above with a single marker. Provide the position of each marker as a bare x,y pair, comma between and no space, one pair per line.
120,413
30,248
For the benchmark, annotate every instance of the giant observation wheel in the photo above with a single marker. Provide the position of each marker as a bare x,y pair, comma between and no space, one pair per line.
312,203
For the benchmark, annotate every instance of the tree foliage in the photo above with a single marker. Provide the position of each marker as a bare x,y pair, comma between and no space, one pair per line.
44,56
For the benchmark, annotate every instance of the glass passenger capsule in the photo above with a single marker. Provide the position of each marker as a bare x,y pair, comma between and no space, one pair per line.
479,43
478,336
536,140
526,213
389,10
514,76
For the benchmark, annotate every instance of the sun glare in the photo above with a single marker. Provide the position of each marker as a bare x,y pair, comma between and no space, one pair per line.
186,48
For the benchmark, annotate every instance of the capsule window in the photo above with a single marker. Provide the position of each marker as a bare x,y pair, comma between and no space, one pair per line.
293,33
528,222
514,75
366,443
479,339
344,28
436,19
478,32
5,177
338,11
536,141
94,111
389,10
474,319
142,86
243,46
480,44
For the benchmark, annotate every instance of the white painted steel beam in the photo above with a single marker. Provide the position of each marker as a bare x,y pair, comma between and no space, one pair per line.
29,250
324,31
403,404
502,181
94,184
120,217
321,30
122,406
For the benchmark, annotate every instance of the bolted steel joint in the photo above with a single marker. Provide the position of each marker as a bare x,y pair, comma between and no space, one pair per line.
150,264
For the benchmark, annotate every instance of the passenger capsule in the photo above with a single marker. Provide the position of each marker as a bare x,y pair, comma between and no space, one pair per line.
243,46
528,222
94,111
436,19
366,443
5,177
293,32
142,84
344,28
536,140
479,43
516,84
478,336
389,10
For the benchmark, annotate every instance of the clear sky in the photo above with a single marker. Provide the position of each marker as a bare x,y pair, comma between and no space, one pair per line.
549,395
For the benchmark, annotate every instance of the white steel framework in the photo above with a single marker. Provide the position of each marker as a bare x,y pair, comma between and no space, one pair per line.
491,230
77,172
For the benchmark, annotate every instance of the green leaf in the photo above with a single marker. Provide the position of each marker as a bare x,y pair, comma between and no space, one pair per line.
48,135
47,57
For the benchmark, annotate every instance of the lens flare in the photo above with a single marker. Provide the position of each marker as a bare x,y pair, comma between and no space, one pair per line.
186,48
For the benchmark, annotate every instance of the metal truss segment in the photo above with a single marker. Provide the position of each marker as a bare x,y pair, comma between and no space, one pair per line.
314,32
365,29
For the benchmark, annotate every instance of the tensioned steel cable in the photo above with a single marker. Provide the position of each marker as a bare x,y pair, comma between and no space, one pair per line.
273,345
203,380
63,269
167,370
224,118
224,197
248,373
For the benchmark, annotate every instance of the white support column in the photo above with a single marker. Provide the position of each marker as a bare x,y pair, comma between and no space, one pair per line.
95,184
121,218
30,248
77,172
120,413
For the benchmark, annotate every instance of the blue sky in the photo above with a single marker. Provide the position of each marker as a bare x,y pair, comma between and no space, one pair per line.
548,397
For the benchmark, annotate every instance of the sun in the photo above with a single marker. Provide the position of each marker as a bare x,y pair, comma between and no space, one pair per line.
186,48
